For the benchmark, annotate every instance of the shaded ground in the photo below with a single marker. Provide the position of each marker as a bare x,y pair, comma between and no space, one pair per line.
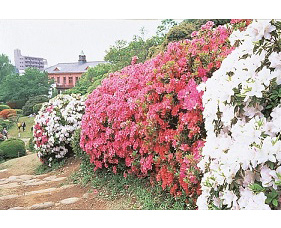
21,189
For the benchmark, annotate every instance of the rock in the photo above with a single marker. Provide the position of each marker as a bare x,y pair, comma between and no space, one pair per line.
50,178
25,177
35,183
30,181
69,200
4,181
86,196
10,185
42,205
67,186
16,208
12,178
42,175
47,190
8,197
59,179
3,170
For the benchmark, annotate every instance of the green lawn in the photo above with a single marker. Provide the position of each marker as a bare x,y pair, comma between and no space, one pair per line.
13,131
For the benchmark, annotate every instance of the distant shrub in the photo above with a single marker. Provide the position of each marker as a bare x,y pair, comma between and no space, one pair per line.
12,148
28,107
8,113
31,144
19,111
16,104
37,107
2,107
5,124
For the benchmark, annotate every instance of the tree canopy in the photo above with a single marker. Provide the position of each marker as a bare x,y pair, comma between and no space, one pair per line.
21,87
6,68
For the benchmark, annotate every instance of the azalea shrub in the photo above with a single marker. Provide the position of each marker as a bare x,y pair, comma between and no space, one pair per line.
54,127
8,113
147,118
242,112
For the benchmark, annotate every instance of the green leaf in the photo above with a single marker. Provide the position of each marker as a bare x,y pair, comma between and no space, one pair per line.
275,202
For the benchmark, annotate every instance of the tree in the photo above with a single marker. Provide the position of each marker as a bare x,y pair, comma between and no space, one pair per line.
6,68
17,87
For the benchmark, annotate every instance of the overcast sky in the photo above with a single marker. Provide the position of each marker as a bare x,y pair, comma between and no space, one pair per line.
62,40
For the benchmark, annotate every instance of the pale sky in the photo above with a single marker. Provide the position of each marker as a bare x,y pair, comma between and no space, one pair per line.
61,41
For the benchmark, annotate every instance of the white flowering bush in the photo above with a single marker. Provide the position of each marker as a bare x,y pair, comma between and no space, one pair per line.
241,162
54,126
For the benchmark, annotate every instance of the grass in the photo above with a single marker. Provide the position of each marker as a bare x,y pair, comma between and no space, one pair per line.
41,169
138,192
13,131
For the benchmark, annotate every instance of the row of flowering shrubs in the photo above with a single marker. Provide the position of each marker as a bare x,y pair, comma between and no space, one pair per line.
147,118
54,126
242,154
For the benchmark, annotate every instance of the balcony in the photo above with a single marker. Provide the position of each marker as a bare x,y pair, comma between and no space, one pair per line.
61,86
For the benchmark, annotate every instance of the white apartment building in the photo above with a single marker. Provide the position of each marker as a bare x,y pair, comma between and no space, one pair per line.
23,62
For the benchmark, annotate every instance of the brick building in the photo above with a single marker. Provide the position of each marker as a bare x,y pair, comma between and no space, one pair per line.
66,75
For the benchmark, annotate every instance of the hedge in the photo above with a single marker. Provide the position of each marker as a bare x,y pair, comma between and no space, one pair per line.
12,148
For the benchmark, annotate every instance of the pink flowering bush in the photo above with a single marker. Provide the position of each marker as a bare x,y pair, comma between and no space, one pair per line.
147,118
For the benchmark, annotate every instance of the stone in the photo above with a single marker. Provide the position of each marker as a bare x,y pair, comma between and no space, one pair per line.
4,181
67,186
50,178
47,190
59,179
8,197
10,185
69,200
42,175
86,196
25,177
16,208
42,205
12,178
35,183
30,181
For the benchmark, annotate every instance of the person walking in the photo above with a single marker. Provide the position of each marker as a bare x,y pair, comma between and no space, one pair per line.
5,133
19,126
23,126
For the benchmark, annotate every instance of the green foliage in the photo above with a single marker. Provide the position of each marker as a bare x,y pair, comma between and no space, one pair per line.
75,144
21,87
16,104
120,55
31,144
19,112
36,108
139,192
28,107
6,68
12,148
41,169
2,107
5,124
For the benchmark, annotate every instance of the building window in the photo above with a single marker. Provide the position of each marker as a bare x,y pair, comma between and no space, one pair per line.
77,78
70,80
64,80
58,80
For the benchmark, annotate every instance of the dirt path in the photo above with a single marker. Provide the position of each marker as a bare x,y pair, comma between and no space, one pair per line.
21,189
